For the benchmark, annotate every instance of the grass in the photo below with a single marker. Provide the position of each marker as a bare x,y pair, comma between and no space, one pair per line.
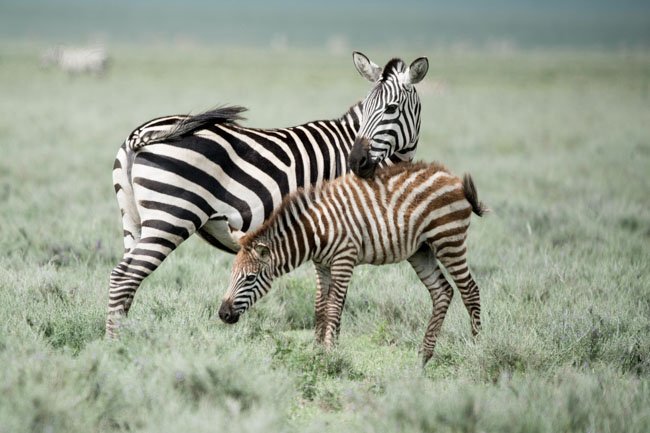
558,145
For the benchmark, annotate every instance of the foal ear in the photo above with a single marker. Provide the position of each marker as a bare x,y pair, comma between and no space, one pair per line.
366,68
418,70
262,250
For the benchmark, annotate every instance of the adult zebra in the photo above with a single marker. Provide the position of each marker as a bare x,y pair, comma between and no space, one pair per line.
178,175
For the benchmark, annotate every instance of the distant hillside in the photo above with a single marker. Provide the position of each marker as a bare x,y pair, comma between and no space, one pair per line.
335,24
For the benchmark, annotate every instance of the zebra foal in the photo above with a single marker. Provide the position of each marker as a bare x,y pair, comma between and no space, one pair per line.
416,212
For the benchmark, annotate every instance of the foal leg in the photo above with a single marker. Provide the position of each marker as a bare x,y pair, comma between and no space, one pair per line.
340,274
323,280
454,259
426,267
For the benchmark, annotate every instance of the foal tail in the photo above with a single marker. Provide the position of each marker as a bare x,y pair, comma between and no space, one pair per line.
472,196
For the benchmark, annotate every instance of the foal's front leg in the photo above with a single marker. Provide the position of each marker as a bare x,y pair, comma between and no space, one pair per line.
323,282
340,274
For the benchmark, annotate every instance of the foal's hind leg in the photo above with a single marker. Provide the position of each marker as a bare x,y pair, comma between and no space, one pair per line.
426,267
454,259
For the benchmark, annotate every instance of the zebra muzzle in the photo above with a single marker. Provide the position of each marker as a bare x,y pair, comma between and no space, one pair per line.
360,161
227,313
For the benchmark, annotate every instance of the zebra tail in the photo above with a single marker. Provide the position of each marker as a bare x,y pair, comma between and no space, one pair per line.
220,115
472,196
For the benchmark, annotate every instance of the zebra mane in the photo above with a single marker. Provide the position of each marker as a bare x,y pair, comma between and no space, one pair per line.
406,166
393,65
191,124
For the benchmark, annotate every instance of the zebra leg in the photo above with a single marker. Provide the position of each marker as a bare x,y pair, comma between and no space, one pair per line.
323,280
125,199
455,261
426,267
340,274
136,265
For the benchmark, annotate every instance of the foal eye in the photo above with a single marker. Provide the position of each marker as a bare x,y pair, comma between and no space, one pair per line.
391,108
250,278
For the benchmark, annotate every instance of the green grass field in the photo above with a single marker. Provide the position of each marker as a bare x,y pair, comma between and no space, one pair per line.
558,143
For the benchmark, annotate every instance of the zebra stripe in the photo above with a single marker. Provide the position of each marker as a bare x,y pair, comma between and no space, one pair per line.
179,175
391,113
416,212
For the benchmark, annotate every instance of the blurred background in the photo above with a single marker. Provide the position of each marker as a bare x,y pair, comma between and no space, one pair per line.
335,25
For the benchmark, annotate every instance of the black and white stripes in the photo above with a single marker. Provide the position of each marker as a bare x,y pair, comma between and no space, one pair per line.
390,120
179,175
415,212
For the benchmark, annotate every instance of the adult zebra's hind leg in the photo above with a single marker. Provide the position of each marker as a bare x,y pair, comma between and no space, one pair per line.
125,198
137,264
426,267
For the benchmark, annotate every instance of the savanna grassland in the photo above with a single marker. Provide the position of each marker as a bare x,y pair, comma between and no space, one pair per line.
558,143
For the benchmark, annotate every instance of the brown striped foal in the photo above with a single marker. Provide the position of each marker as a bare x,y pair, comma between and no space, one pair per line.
416,212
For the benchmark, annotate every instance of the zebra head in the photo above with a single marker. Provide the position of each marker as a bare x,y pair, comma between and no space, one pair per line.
250,279
390,119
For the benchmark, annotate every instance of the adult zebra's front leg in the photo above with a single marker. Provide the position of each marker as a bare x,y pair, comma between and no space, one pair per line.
158,239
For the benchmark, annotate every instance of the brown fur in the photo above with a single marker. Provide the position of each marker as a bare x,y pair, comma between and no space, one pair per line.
383,174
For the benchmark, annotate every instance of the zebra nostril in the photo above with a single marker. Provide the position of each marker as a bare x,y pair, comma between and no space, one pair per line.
228,314
363,162
225,313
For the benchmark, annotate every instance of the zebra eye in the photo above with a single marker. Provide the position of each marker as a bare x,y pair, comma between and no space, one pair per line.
250,278
391,108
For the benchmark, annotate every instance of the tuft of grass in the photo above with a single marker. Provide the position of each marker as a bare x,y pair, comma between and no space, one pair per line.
72,332
313,365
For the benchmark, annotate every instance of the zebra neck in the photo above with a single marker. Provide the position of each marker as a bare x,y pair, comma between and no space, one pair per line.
290,234
352,118
348,126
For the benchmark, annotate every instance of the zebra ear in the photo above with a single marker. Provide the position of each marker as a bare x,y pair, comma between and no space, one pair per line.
262,250
418,70
366,68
